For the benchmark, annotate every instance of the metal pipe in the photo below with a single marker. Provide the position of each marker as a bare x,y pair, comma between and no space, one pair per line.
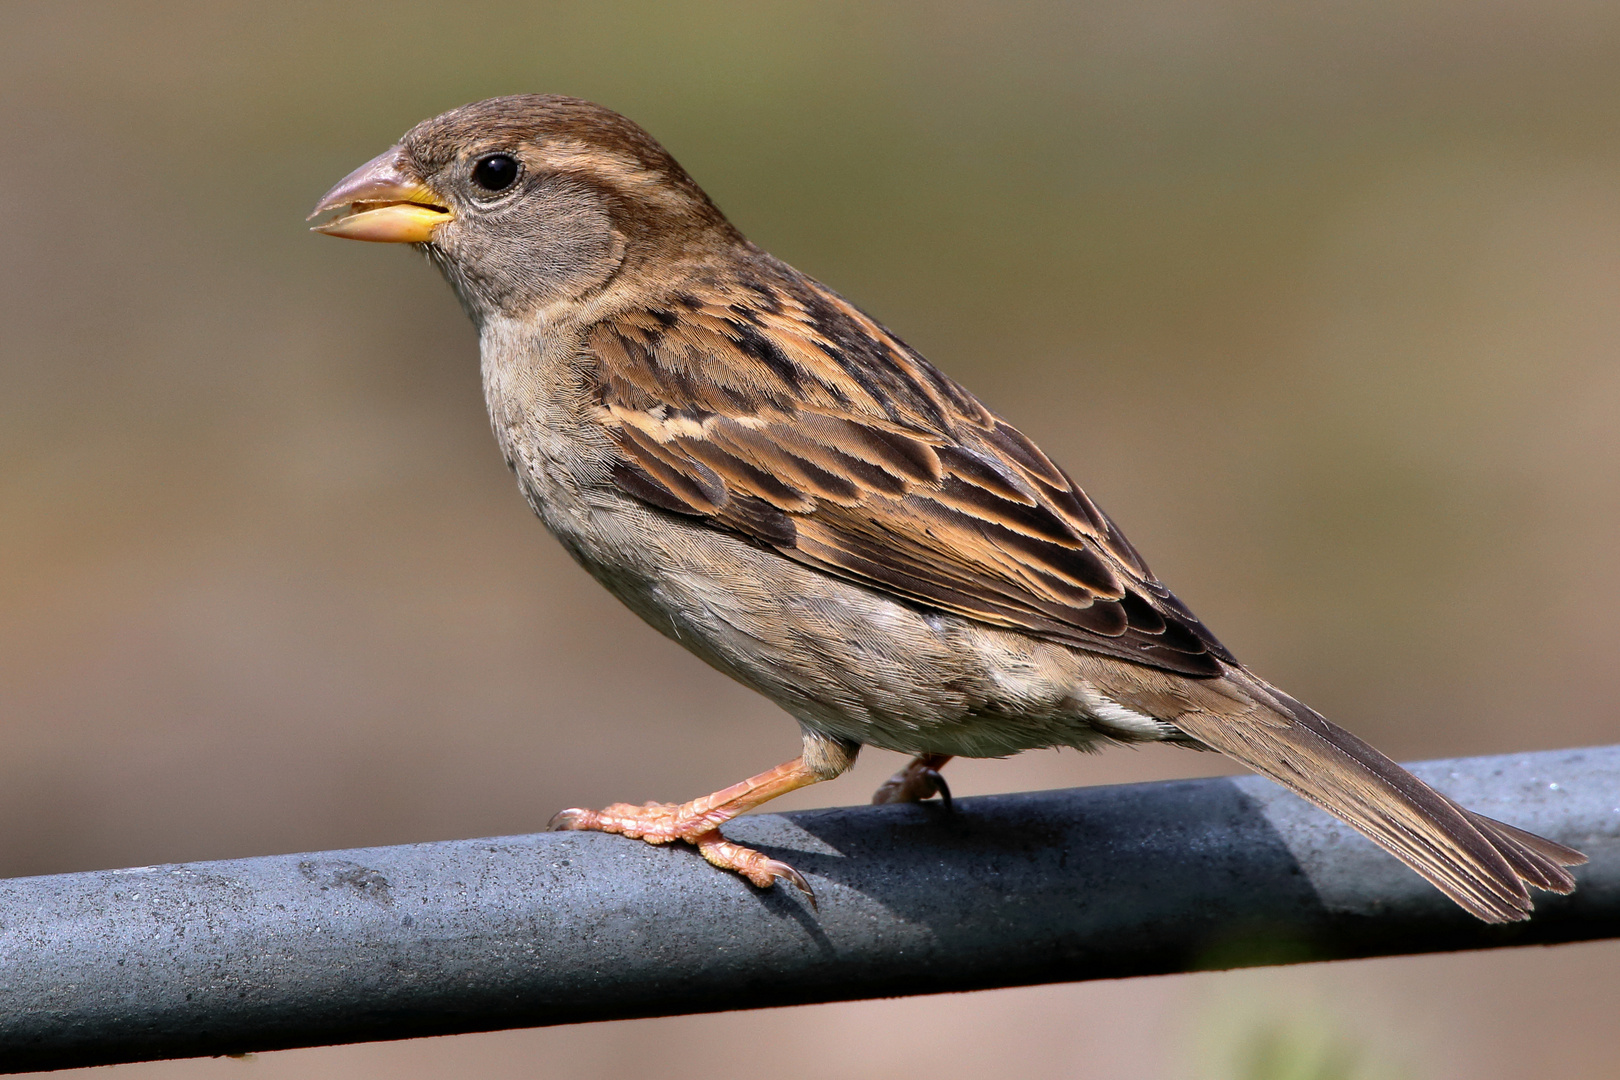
475,935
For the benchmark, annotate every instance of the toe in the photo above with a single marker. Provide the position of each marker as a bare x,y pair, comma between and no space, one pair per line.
753,865
656,823
891,790
914,783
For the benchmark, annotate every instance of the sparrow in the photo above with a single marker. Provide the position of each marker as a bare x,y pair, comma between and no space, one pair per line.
770,477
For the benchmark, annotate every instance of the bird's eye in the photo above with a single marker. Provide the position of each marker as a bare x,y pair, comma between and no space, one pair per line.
495,172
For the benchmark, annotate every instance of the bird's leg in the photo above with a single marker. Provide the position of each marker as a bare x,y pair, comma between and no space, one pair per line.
919,780
698,822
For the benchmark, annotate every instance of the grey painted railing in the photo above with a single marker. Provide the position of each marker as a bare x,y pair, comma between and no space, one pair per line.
474,935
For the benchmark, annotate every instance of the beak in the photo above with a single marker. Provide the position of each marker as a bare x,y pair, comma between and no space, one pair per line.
383,203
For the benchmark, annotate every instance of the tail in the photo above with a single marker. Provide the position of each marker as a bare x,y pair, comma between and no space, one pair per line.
1482,864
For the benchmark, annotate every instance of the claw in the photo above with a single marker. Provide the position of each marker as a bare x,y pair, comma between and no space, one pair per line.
783,870
941,788
572,818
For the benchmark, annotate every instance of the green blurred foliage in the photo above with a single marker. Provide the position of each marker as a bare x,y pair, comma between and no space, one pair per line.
1272,1038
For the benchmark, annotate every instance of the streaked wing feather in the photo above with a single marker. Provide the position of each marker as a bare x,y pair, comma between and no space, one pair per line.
771,408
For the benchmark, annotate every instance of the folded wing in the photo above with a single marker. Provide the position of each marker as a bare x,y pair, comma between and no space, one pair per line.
796,421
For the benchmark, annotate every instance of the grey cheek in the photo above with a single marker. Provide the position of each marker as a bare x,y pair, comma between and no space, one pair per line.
561,259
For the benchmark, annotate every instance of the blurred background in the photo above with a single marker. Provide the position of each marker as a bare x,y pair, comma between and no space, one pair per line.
1318,300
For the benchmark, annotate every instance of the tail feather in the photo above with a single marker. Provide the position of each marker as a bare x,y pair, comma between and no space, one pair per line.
1537,860
1482,864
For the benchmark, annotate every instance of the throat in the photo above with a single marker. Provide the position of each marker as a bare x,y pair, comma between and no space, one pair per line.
541,399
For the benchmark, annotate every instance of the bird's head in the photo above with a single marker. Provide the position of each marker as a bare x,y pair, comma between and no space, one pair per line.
527,201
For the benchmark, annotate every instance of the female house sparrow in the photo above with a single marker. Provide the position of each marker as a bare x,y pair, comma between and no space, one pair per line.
768,476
